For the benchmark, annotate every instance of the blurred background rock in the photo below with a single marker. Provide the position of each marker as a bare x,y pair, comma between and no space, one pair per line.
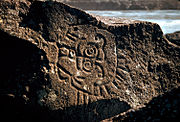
124,4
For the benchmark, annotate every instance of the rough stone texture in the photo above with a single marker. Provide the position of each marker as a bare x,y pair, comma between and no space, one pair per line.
61,64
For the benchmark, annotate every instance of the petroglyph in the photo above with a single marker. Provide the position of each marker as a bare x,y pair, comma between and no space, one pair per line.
89,63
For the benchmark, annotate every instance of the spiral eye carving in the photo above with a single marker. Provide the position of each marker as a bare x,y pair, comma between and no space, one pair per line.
91,51
87,65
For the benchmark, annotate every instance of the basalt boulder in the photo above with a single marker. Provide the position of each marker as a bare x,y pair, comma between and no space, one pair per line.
59,63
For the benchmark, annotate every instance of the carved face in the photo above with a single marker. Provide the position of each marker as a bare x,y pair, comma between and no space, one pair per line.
86,64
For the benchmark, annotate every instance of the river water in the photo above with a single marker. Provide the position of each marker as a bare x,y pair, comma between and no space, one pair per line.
169,20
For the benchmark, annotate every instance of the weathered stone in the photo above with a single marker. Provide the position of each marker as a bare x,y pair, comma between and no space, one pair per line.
69,65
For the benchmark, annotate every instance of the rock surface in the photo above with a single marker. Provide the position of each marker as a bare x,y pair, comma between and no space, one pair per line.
61,64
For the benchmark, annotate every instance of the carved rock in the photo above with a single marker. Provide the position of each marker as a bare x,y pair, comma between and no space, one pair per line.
68,65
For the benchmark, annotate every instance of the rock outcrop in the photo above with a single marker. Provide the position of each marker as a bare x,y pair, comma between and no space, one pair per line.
59,63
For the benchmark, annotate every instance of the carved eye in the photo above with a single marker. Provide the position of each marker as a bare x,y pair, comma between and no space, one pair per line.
72,54
63,51
91,51
87,65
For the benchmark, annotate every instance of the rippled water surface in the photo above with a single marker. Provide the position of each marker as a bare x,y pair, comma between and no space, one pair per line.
169,20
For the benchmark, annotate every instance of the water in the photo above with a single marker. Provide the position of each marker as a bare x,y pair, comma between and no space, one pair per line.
169,20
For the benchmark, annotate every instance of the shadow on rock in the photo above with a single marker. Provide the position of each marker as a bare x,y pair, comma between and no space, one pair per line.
21,77
15,109
96,111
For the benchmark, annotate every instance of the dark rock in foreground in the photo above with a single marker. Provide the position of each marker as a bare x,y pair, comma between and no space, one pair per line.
61,64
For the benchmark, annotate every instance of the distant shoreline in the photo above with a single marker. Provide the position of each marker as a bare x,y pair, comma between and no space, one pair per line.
126,5
169,20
